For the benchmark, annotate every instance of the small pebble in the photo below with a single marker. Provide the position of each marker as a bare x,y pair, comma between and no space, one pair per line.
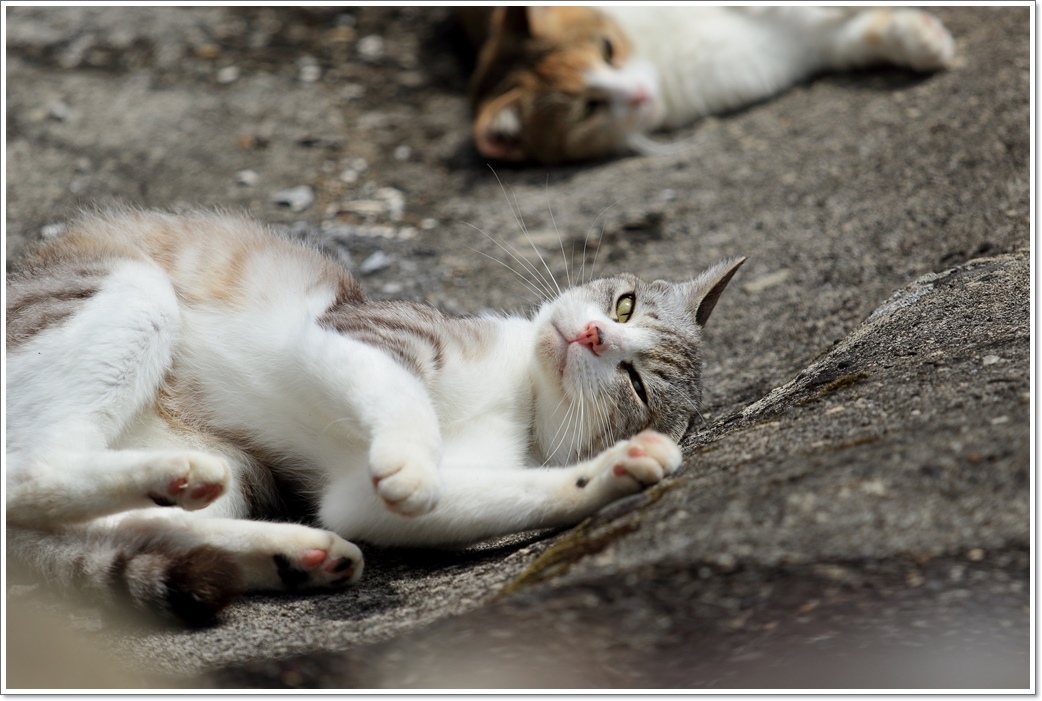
296,198
991,359
52,230
349,175
375,263
59,111
371,48
228,74
428,224
975,555
310,74
247,178
402,153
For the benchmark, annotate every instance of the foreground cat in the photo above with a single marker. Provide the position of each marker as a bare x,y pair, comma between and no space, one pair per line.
556,84
203,363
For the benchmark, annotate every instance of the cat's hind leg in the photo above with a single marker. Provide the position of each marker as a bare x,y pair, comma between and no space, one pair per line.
73,389
898,36
185,565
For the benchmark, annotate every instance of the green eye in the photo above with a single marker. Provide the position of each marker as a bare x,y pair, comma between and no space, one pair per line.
624,307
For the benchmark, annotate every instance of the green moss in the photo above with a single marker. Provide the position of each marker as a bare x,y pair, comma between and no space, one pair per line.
588,538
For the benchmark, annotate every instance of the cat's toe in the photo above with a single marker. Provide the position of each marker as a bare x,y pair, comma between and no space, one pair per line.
336,564
405,478
194,480
645,459
924,42
409,492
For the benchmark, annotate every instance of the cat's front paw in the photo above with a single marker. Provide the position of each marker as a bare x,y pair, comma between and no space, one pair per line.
638,463
405,476
189,479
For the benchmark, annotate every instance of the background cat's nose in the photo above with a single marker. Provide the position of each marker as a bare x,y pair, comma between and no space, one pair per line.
592,338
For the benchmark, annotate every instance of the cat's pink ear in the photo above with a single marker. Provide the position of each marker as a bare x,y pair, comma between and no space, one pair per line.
704,291
497,128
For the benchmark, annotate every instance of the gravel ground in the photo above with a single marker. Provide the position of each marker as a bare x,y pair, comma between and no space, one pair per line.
855,511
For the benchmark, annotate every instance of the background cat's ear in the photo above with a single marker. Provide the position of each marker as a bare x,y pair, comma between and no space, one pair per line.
511,20
497,128
704,291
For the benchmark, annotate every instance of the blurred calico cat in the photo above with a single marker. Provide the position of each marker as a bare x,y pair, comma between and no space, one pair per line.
557,84
171,377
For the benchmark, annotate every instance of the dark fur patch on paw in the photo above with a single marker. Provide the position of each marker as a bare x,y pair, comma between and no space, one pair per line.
291,576
201,582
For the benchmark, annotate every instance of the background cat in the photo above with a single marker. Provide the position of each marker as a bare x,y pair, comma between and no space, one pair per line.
201,362
562,84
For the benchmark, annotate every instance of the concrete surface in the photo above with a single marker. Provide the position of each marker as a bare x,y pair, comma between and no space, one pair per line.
855,511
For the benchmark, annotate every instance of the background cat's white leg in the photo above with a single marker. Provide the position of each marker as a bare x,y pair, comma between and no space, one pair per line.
899,36
480,502
72,390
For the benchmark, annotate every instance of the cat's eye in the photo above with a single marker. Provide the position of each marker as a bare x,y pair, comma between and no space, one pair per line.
607,50
638,384
624,307
593,105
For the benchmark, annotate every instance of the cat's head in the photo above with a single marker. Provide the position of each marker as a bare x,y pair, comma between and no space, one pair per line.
556,84
618,355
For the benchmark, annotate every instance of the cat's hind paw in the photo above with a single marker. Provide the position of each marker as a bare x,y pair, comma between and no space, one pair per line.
405,477
190,479
918,40
334,563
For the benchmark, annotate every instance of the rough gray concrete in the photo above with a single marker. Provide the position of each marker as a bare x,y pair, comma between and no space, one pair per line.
854,512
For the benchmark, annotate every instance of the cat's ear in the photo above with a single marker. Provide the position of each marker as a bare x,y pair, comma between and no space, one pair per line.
704,291
497,127
511,20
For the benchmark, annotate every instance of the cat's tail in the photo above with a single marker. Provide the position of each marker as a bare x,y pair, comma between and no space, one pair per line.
646,146
111,567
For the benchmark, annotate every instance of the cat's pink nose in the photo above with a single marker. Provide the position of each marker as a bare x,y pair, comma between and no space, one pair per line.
592,338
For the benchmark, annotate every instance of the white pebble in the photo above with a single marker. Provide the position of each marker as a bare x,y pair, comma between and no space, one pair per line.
52,230
402,153
228,74
375,263
247,178
296,198
991,359
371,48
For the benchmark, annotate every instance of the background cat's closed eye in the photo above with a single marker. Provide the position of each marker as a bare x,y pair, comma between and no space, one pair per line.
556,84
199,361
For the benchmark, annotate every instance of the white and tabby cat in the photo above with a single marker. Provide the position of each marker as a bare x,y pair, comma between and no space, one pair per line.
201,363
555,84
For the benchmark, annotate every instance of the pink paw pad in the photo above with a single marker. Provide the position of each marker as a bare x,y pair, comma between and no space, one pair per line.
636,452
313,557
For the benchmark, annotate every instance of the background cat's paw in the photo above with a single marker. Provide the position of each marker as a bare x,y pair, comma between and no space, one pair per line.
317,559
918,40
191,480
405,476
642,461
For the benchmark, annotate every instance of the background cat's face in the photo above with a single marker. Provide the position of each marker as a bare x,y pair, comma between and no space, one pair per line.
618,355
559,83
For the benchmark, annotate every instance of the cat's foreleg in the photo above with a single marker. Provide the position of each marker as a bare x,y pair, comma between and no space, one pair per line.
481,502
370,396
